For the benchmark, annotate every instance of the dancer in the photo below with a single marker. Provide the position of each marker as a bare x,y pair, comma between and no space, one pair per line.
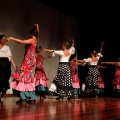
92,76
116,80
23,79
5,65
41,78
62,79
74,74
101,85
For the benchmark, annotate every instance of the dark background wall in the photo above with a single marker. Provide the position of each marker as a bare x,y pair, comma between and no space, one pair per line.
100,21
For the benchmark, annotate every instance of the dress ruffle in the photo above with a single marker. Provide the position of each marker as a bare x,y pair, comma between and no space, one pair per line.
21,86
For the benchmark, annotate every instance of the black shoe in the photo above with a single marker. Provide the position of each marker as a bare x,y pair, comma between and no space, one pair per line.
28,97
3,92
59,97
2,95
42,94
30,101
70,97
19,101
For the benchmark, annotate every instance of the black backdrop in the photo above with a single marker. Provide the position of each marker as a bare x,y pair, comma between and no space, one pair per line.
100,21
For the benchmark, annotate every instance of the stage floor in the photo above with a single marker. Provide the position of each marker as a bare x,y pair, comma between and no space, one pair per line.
101,108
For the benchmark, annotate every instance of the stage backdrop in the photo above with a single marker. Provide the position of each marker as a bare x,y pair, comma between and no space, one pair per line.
16,17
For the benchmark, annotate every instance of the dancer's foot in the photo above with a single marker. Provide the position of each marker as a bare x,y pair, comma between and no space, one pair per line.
30,101
19,101
42,95
2,93
70,97
28,97
59,97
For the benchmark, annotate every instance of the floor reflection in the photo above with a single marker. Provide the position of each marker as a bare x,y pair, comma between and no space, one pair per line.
51,109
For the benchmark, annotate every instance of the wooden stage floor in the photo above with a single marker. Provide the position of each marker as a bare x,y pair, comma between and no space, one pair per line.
101,108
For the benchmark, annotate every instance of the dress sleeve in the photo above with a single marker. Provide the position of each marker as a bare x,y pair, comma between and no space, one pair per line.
8,52
87,60
99,55
71,50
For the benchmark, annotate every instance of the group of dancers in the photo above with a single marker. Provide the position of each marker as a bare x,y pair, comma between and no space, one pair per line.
66,82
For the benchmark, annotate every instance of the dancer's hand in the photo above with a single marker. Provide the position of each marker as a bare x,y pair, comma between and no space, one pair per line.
42,51
10,38
102,43
72,40
102,63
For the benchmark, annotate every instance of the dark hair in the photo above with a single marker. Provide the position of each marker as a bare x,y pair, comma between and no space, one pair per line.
118,60
72,56
38,47
1,36
93,52
34,31
65,43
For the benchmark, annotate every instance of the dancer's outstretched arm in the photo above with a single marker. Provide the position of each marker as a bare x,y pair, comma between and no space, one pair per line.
73,43
49,50
28,41
80,61
111,63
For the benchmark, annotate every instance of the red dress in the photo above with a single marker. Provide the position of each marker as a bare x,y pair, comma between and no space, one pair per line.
100,81
116,80
24,79
74,75
41,78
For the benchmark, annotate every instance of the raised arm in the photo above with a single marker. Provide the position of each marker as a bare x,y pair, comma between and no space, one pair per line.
111,63
28,41
72,40
37,28
101,48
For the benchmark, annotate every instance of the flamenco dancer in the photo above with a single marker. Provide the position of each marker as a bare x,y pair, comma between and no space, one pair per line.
41,78
23,79
62,79
116,80
74,74
100,81
92,89
5,65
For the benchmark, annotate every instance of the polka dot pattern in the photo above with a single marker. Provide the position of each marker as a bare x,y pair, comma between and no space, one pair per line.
62,80
92,80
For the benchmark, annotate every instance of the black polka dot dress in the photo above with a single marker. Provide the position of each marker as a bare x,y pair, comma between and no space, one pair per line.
92,80
92,76
62,79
